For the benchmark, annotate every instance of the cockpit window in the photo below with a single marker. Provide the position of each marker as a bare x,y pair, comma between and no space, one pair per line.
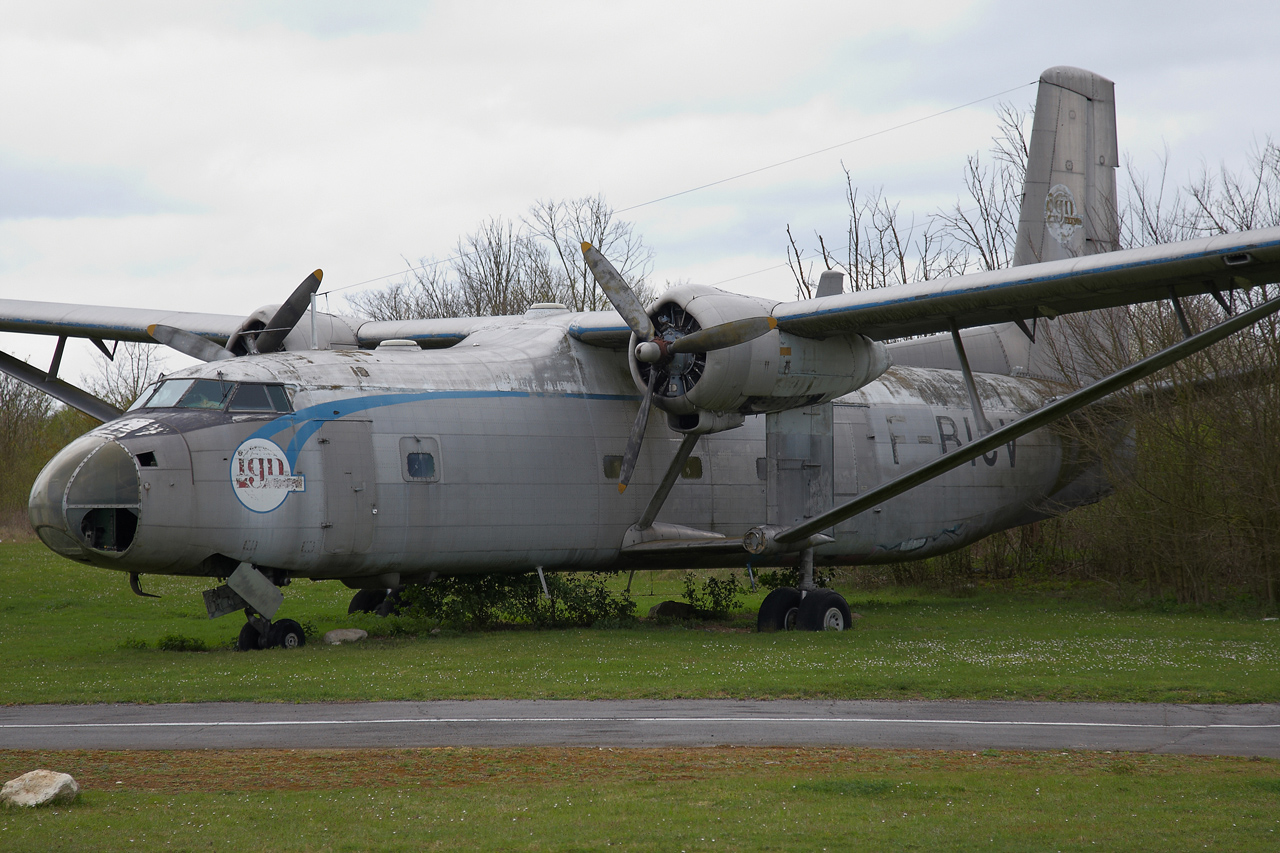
251,397
206,394
144,396
169,393
214,394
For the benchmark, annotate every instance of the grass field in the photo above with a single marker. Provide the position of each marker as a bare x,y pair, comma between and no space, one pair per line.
76,634
699,799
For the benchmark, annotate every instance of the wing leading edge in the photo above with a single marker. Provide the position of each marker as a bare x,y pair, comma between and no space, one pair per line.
1210,265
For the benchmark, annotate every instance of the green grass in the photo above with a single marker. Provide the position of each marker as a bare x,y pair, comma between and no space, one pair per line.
697,799
76,634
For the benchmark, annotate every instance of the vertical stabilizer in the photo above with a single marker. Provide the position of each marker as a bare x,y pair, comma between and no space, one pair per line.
1068,210
1069,197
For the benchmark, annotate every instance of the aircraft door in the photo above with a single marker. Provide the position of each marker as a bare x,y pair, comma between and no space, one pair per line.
350,487
854,456
799,475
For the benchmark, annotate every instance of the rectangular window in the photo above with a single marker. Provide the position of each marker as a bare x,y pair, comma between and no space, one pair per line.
206,394
254,397
421,466
612,467
169,393
692,469
420,459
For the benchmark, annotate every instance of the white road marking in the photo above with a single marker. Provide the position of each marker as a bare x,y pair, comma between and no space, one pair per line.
682,720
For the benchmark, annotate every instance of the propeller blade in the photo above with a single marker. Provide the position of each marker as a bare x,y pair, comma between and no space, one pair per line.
619,292
288,314
724,335
188,343
637,434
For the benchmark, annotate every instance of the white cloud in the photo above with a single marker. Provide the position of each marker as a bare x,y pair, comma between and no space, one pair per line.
206,156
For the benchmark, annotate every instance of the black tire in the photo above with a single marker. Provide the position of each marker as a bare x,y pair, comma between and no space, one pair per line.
824,610
366,601
286,634
249,640
779,610
390,606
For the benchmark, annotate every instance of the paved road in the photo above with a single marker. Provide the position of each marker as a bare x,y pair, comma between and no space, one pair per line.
1195,729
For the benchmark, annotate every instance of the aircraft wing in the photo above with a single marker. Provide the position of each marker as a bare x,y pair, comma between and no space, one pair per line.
1220,263
109,324
430,334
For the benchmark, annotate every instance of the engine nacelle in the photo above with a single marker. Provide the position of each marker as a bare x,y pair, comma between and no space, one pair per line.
772,373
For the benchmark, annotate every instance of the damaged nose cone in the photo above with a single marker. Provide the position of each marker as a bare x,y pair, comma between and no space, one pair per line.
87,500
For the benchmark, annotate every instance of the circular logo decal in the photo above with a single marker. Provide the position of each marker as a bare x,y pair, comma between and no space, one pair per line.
1060,215
260,475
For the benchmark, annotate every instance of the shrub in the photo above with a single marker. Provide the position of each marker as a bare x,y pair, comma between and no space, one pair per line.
479,601
181,643
717,598
776,578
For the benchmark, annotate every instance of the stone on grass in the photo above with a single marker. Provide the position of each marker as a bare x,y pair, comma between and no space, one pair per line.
672,610
38,788
345,635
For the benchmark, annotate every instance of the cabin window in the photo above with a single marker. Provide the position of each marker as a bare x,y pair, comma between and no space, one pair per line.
421,466
613,467
762,468
692,469
420,459
254,397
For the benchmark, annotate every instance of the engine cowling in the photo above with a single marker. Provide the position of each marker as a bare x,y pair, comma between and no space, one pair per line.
772,373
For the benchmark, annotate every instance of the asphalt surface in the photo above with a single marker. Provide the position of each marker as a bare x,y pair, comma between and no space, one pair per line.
1192,729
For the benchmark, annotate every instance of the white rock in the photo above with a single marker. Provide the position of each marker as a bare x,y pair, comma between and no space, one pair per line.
345,635
39,787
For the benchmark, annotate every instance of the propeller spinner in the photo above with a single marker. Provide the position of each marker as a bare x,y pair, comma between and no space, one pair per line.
661,349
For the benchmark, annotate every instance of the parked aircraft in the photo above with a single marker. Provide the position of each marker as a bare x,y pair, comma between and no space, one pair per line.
312,445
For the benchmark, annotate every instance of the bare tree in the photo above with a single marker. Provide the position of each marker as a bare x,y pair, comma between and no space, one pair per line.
503,267
121,380
566,225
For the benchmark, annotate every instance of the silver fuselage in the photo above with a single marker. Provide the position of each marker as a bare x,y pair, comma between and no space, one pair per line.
522,424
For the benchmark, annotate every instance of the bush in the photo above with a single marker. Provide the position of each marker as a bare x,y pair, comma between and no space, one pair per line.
181,643
778,578
472,602
717,598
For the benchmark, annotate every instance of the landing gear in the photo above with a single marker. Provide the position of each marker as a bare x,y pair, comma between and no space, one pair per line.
779,609
824,610
383,602
788,609
285,633
367,601
249,639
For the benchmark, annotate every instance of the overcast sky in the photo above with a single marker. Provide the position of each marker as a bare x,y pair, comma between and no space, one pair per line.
167,155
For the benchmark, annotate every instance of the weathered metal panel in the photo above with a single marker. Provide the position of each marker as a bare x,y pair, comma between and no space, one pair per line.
350,489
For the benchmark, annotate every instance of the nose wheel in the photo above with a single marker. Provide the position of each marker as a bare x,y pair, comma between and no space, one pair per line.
283,634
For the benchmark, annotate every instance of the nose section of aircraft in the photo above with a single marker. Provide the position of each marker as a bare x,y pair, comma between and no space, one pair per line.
87,500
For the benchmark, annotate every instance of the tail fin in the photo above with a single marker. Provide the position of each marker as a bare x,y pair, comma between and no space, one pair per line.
1069,194
1068,210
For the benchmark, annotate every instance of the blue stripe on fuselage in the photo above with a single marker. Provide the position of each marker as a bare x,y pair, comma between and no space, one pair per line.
313,417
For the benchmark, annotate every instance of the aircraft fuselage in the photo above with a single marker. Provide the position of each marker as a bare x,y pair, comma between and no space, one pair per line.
501,454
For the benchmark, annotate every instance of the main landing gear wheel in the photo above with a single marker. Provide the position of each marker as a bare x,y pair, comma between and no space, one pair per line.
249,640
779,609
824,610
366,601
285,634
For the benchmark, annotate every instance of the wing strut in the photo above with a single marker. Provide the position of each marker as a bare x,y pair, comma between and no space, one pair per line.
772,539
76,398
979,416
